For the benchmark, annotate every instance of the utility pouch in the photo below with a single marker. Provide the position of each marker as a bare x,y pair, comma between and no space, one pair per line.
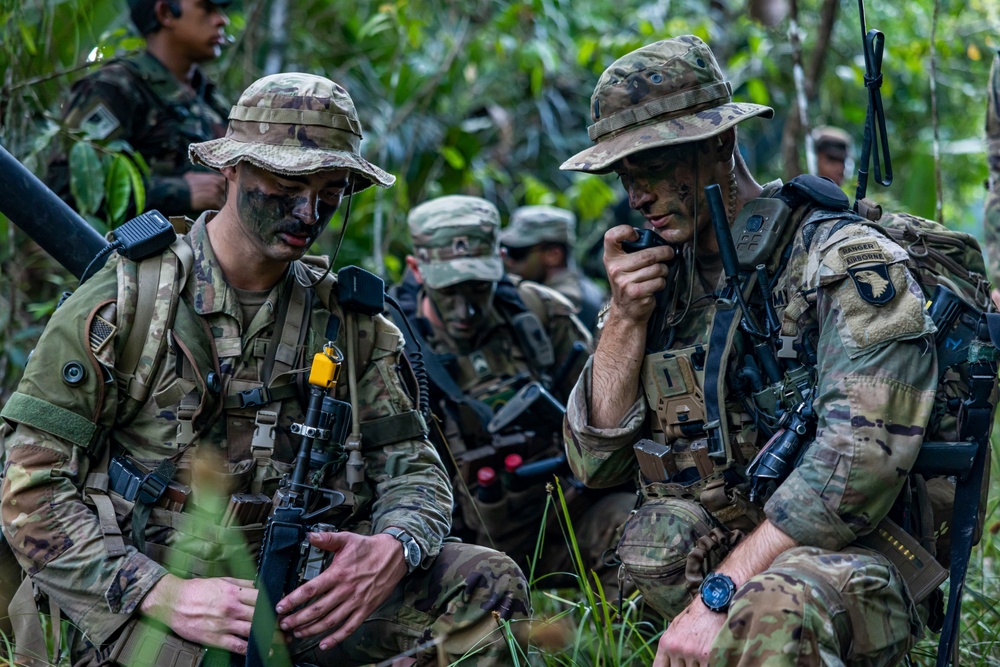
673,384
919,569
654,550
146,643
537,344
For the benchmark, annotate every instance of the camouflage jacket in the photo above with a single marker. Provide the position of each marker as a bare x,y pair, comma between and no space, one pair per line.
64,431
875,381
136,99
581,291
991,214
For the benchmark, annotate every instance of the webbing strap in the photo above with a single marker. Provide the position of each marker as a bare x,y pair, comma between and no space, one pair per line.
30,649
394,428
148,274
724,326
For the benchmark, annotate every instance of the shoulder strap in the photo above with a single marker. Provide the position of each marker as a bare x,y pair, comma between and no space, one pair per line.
527,323
141,299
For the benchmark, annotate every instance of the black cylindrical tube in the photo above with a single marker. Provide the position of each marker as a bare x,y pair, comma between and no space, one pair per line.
723,234
46,218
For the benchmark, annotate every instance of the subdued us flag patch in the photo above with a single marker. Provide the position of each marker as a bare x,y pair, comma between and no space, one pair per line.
101,332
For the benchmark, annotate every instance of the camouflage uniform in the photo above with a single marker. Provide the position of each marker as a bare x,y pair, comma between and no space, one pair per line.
456,239
829,600
200,394
136,99
534,225
991,217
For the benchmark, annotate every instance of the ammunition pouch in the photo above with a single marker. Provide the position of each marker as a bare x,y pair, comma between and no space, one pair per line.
726,503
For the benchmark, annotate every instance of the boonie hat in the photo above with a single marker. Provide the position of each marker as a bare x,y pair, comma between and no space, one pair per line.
832,141
455,239
143,13
531,225
666,93
293,124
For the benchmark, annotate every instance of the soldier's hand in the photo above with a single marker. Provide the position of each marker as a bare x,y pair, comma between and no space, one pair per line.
688,639
363,574
208,190
635,278
216,611
995,297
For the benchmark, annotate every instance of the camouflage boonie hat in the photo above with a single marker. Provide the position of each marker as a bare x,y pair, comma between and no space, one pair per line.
670,92
455,239
832,141
293,124
531,225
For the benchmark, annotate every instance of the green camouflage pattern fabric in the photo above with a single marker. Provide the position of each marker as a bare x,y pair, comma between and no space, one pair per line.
874,395
531,225
839,608
459,601
294,124
991,214
456,238
60,437
136,99
666,93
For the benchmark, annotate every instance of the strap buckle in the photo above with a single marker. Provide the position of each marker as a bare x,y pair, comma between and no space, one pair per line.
151,488
252,398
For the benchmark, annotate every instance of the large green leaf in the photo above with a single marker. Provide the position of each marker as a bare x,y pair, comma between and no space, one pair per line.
86,177
119,188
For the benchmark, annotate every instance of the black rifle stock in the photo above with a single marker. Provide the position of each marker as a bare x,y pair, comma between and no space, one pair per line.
284,552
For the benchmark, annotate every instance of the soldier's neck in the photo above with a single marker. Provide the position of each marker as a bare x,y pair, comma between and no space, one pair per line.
244,266
172,58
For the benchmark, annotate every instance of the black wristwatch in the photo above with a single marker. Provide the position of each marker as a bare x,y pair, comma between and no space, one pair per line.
411,550
717,592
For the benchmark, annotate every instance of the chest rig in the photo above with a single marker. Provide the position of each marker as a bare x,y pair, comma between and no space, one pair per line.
722,391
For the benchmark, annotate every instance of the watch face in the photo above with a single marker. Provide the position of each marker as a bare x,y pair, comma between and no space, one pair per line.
412,555
717,591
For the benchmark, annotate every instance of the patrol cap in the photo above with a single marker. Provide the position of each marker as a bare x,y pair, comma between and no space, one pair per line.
832,141
455,239
143,13
531,225
293,124
667,93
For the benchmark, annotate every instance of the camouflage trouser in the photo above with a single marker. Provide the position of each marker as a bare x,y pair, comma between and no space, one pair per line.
811,607
457,601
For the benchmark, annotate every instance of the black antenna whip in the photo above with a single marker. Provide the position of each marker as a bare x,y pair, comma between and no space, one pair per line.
875,131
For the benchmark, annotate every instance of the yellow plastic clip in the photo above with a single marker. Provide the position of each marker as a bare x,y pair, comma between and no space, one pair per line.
325,368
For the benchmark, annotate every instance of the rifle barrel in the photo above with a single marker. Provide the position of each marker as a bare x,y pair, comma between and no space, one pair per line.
46,218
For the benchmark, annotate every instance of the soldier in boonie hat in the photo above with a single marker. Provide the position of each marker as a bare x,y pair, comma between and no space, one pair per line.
667,93
294,124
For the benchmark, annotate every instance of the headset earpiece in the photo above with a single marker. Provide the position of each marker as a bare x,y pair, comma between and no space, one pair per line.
174,9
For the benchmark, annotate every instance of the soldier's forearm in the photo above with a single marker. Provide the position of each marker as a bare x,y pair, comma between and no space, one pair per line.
617,363
756,553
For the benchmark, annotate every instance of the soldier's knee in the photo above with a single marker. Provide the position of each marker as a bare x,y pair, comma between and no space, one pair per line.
491,580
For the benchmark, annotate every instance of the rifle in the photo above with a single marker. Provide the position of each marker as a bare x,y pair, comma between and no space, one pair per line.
286,557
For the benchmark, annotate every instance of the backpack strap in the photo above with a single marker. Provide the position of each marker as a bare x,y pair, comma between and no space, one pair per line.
141,303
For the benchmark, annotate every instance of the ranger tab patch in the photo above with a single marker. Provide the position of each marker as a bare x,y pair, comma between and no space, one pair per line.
868,267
